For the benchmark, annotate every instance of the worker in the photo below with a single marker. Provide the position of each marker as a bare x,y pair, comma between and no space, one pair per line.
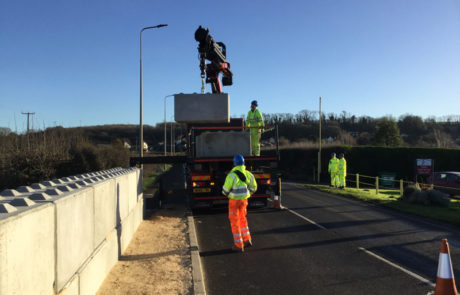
255,119
342,171
239,185
333,169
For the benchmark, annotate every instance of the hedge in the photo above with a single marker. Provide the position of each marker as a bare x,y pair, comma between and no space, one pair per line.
300,163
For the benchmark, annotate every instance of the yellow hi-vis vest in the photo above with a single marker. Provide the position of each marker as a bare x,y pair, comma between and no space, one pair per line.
333,165
343,166
237,189
255,119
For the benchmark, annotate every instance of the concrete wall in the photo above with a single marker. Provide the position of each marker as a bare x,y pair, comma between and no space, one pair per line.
64,235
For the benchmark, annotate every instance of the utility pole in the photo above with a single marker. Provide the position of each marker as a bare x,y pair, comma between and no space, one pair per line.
319,151
28,116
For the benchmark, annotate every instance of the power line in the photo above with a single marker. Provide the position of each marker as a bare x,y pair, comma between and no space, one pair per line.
28,116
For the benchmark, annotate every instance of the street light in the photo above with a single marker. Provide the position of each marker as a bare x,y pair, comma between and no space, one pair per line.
165,121
141,126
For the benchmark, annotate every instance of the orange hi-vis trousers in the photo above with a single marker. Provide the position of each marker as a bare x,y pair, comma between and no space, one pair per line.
237,214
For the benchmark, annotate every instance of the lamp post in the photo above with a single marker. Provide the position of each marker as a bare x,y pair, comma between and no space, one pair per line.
165,121
141,126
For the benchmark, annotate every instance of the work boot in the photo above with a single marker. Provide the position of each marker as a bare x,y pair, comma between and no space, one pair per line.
237,249
248,244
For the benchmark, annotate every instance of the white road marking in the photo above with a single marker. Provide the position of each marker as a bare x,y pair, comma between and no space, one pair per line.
303,217
412,274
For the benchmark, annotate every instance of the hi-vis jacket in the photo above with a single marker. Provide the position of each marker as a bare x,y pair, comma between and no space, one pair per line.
239,189
333,165
255,119
343,166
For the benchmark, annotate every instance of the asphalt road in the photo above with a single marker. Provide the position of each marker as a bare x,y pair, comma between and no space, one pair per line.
323,244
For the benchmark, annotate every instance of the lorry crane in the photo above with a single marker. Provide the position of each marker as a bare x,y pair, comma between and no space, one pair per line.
216,53
206,166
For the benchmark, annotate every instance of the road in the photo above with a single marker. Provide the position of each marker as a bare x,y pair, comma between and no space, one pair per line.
323,244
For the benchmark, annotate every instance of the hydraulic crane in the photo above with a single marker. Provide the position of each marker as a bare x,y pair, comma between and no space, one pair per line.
215,52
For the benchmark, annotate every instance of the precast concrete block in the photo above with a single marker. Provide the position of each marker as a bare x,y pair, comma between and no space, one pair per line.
132,192
57,181
98,267
27,261
74,185
9,193
64,188
82,182
122,193
54,192
105,208
127,229
202,108
74,233
223,144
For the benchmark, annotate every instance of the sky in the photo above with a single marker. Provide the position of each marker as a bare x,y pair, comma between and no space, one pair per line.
76,63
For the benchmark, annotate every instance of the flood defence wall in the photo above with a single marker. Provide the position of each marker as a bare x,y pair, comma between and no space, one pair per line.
64,236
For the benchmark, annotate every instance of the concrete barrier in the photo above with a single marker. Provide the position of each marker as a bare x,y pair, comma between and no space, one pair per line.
64,236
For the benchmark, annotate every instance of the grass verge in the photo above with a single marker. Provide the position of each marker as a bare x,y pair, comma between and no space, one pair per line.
391,199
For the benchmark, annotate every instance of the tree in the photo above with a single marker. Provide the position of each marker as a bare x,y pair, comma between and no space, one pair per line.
387,132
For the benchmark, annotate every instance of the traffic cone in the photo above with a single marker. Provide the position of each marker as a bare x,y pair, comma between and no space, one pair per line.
276,202
445,282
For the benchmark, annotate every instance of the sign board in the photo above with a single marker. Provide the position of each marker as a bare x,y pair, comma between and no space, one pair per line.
424,166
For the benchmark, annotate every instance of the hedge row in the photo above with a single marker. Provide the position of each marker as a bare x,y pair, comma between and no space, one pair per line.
301,163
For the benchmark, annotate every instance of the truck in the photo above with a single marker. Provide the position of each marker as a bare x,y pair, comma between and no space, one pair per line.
211,143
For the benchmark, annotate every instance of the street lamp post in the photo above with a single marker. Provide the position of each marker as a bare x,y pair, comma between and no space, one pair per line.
165,122
141,126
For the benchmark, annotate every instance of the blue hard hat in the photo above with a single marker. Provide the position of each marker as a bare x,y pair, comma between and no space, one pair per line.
238,160
254,102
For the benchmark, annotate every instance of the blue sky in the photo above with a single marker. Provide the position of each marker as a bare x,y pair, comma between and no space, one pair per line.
77,62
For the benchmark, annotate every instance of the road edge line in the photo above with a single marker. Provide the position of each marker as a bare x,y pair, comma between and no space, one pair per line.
412,274
197,271
303,217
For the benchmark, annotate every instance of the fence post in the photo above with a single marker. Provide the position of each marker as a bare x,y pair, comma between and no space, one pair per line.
357,180
377,185
401,187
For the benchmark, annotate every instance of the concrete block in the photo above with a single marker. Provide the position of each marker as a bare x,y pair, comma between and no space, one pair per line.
53,192
27,261
64,188
223,144
74,233
122,193
98,267
202,108
48,183
132,192
127,230
105,208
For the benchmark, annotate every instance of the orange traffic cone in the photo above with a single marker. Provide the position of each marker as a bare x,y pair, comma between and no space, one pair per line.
276,202
445,282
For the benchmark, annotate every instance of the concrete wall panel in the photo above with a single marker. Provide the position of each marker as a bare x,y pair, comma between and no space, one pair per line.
98,267
202,108
74,233
122,193
27,252
105,208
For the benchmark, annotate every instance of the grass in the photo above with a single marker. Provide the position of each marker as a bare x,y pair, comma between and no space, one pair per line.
390,199
149,180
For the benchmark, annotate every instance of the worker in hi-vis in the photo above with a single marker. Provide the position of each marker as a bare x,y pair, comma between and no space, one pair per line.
255,119
333,169
342,171
239,185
